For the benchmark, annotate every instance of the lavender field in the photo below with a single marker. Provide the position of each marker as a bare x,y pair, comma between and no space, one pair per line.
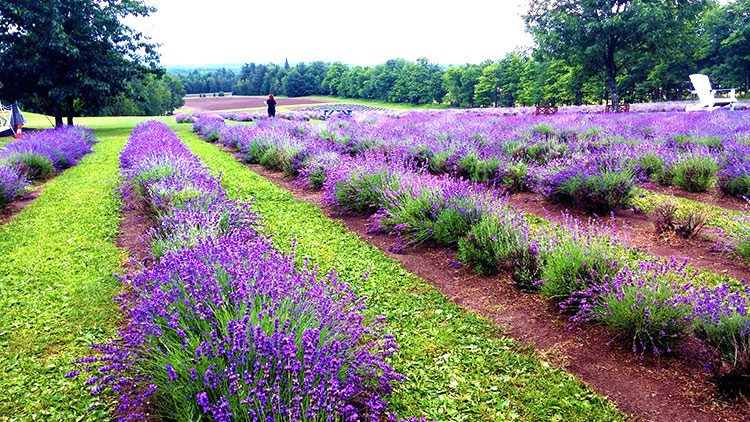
242,303
448,178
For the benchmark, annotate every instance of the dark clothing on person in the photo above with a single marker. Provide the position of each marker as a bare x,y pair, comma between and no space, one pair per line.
271,108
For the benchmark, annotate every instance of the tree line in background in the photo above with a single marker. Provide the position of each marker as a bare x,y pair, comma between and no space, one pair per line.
588,51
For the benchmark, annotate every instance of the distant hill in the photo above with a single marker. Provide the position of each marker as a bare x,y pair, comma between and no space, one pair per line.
186,69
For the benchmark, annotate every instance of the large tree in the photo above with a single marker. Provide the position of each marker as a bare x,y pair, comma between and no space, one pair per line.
726,55
609,36
63,55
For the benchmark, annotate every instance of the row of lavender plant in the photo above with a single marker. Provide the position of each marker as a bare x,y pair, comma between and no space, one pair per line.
39,154
225,326
590,276
592,160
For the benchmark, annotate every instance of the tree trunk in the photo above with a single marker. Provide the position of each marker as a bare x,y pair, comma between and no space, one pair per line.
612,87
70,112
57,111
611,79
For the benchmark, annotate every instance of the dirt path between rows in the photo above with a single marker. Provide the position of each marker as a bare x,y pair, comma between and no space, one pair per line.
645,388
14,207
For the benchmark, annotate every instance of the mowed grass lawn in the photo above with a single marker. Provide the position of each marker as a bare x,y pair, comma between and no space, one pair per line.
57,260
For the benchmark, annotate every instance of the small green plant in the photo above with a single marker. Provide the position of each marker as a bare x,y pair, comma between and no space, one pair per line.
156,172
486,171
438,164
651,313
735,185
493,245
516,178
253,151
696,173
487,246
575,265
363,192
543,131
651,165
602,191
274,158
33,166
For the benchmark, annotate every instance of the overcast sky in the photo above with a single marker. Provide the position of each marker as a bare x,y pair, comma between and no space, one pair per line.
205,32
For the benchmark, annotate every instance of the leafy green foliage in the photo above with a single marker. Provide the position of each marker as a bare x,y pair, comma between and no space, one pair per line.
575,265
34,166
695,173
65,57
491,246
360,192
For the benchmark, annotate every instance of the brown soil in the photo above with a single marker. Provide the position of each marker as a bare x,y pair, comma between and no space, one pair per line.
14,207
133,229
645,388
713,196
638,230
132,238
233,103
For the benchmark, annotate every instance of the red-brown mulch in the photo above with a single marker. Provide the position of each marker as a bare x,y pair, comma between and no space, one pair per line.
233,103
9,212
134,226
645,388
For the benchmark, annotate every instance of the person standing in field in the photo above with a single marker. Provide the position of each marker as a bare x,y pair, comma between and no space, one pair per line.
271,103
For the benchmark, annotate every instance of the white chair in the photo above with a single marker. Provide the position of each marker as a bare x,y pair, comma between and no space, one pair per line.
706,99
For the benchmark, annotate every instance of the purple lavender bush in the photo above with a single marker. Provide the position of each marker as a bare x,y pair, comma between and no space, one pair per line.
225,326
648,302
41,153
722,319
12,183
208,126
181,117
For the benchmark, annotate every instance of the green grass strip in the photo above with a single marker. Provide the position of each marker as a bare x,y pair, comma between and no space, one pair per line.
56,288
720,217
459,366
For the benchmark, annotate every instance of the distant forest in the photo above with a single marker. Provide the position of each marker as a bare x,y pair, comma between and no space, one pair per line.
707,38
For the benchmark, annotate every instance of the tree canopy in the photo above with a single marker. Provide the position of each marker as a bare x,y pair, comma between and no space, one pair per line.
610,36
64,56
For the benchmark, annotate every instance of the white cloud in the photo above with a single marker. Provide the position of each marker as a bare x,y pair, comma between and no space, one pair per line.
361,33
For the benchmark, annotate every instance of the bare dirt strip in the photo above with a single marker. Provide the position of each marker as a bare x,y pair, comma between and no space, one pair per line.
238,102
14,207
645,388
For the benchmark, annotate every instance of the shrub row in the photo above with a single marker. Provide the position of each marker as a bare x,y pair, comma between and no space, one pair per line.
38,155
223,325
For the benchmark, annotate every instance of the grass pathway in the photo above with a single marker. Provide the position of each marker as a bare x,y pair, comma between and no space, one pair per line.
56,288
459,366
